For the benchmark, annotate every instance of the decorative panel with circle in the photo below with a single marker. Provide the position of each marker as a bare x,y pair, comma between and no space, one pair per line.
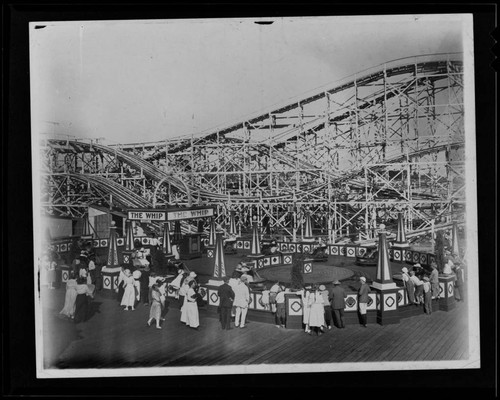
351,251
213,298
390,301
294,306
307,268
107,282
371,305
351,302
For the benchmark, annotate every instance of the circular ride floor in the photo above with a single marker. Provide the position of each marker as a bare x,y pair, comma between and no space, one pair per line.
321,273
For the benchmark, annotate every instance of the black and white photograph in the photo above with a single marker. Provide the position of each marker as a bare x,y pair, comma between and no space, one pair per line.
225,196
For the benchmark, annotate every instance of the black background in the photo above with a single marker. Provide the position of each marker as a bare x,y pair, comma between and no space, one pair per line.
18,341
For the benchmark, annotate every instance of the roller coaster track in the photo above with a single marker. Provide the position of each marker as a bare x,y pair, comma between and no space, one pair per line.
437,67
127,196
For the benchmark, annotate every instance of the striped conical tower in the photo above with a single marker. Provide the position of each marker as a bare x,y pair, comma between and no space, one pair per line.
255,247
167,244
401,236
211,233
232,224
129,236
308,226
113,248
219,261
455,248
383,278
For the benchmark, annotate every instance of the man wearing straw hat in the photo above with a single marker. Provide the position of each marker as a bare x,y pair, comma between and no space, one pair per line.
338,304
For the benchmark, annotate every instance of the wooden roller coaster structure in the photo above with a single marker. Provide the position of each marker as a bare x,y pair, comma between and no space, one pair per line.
353,155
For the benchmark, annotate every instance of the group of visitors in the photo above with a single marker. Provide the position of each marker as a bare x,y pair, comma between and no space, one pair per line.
422,290
77,299
85,266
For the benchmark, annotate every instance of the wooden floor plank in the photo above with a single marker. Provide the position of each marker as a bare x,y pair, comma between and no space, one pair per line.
115,338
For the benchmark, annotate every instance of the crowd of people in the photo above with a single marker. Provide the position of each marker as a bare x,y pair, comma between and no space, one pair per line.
422,286
138,283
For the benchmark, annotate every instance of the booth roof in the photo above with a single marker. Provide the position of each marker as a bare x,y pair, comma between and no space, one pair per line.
107,210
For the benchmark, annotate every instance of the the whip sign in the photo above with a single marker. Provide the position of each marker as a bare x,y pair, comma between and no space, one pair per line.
170,214
190,213
147,215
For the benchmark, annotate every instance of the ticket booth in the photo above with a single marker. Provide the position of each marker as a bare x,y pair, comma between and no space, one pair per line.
190,246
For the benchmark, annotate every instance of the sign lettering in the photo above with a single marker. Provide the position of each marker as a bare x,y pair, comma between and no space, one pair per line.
172,215
178,215
146,215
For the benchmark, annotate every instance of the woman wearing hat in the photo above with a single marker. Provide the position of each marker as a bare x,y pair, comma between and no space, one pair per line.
129,292
84,292
306,307
156,306
189,313
317,315
183,291
120,285
70,297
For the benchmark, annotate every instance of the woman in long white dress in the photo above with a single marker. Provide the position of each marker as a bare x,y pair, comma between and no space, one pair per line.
317,315
70,298
156,306
129,293
306,306
189,311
